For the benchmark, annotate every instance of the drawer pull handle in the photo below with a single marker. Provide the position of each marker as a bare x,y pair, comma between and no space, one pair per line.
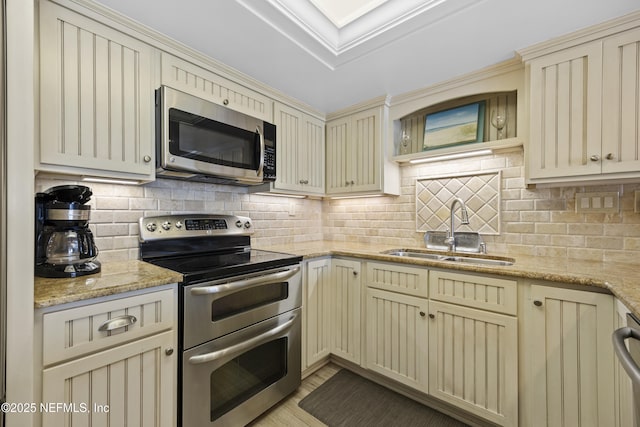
117,323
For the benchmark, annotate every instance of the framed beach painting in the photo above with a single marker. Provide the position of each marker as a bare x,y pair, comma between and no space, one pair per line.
459,125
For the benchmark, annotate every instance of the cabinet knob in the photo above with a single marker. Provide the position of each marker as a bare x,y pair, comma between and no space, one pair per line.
537,303
146,158
422,314
594,158
168,351
609,156
225,102
432,316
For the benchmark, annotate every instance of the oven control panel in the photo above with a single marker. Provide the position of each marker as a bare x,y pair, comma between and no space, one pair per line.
193,225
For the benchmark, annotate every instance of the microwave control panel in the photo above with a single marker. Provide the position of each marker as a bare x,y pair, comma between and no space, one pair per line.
269,169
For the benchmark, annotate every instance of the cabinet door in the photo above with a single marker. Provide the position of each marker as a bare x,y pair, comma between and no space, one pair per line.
132,384
572,362
96,98
397,340
621,105
300,151
353,153
338,136
473,361
566,104
345,309
316,308
197,81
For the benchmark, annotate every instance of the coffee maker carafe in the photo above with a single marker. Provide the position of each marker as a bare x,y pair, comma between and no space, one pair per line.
64,242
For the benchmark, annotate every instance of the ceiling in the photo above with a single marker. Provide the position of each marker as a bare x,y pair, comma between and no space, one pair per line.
331,54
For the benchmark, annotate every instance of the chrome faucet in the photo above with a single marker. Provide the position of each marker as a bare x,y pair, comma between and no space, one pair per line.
451,236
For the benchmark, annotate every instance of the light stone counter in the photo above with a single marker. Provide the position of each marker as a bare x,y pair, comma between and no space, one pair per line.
621,279
114,278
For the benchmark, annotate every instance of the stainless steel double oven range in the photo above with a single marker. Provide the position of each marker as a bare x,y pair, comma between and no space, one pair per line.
239,316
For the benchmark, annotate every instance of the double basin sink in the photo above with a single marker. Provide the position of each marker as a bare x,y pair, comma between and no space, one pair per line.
477,260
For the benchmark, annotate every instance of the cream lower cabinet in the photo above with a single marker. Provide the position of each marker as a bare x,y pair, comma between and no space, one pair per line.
396,323
397,337
131,384
473,344
569,357
316,306
96,98
345,309
473,361
111,363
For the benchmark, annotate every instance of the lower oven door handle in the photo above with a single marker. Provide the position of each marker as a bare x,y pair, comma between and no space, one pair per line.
236,350
228,288
627,362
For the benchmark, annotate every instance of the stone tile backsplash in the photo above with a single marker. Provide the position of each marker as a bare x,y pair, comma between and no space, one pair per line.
537,221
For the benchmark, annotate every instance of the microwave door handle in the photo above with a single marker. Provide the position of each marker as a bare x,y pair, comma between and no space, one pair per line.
218,291
236,350
261,165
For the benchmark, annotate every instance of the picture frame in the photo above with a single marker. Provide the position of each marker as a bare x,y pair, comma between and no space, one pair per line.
454,126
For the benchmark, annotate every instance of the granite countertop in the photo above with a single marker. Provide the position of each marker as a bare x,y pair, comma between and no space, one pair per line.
621,279
114,278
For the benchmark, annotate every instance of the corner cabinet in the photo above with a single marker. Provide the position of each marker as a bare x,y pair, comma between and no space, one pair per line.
584,111
300,155
357,160
112,363
96,98
570,357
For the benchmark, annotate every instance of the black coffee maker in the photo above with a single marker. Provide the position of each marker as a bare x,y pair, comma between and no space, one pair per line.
64,242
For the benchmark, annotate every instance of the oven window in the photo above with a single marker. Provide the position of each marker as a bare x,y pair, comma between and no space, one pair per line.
248,299
199,138
246,375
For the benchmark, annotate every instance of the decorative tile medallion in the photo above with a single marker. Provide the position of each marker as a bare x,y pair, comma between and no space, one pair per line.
479,191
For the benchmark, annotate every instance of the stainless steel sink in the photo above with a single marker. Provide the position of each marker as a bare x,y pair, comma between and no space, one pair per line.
453,258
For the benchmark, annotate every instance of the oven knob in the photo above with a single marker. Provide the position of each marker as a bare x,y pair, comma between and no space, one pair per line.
238,223
179,224
152,226
247,224
166,225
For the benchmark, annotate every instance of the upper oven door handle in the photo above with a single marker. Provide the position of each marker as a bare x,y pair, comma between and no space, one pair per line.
627,362
218,291
236,350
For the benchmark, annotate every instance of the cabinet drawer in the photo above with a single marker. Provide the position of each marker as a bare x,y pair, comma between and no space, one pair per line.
77,331
398,278
485,293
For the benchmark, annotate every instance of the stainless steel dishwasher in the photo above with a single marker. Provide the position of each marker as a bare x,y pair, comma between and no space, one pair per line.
630,357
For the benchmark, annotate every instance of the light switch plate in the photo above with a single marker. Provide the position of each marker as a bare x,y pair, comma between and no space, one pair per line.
603,202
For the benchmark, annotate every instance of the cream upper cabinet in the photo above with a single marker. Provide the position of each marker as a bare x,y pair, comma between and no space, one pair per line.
300,151
197,81
345,309
584,112
357,159
621,104
569,357
353,153
96,98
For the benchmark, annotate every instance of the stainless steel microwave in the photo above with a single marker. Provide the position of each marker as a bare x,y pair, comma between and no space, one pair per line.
198,140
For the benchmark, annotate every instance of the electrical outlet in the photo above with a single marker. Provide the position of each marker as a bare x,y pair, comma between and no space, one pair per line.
604,202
